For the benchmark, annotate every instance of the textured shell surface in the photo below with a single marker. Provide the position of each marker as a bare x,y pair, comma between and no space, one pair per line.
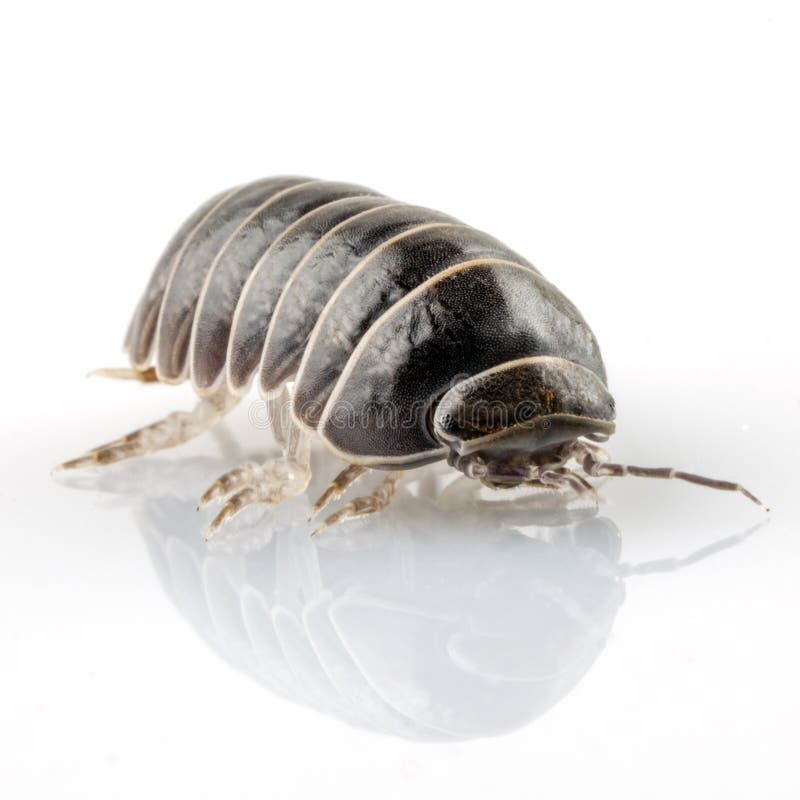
142,328
191,265
318,275
468,318
374,306
541,386
387,274
234,263
263,289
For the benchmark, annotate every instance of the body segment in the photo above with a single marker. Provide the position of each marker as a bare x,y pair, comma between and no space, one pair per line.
190,267
468,318
317,276
263,289
379,281
142,327
235,261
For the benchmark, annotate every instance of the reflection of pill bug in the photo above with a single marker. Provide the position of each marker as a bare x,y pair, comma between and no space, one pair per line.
392,633
408,337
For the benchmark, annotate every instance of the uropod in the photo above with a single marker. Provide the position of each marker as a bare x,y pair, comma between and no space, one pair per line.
394,334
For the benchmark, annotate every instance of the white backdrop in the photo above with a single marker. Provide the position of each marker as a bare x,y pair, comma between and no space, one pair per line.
644,157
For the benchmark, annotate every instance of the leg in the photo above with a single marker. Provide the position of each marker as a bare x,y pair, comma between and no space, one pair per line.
566,479
573,476
596,467
178,427
370,504
278,405
127,374
275,480
346,478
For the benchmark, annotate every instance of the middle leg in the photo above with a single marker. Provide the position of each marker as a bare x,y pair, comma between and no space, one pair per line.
270,482
381,496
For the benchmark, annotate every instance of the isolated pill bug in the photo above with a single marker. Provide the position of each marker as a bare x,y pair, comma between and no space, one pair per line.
394,334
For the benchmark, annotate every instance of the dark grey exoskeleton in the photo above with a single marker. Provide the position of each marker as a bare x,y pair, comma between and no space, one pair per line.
395,334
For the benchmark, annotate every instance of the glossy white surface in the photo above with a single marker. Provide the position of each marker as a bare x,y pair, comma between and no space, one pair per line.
463,644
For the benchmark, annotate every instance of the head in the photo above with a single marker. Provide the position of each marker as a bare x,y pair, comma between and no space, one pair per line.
521,414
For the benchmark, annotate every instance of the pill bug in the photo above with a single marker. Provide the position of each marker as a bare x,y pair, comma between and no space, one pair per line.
393,333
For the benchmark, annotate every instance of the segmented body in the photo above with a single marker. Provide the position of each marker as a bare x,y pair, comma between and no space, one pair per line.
372,306
408,337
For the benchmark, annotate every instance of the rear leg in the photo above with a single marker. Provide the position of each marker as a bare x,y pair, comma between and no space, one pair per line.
178,427
275,480
381,496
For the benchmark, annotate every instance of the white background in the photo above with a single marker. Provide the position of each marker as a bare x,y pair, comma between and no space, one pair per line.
645,157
